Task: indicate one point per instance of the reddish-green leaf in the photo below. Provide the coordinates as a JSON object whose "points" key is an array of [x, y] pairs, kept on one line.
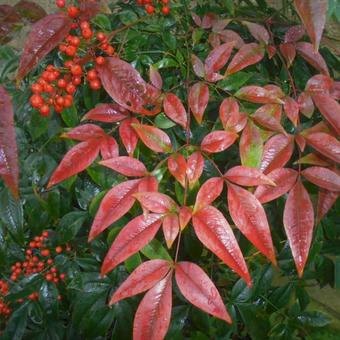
{"points": [[257, 31], [9, 169], [294, 34], [154, 138], [326, 200], [177, 167], [258, 94], [198, 100], [214, 231], [84, 132], [194, 168], [291, 108], [306, 105], [144, 277], [109, 147], [45, 35], [250, 217], [208, 192], [76, 160], [247, 55], [198, 289], [220, 24], [218, 57], [330, 109], [298, 221], [323, 177], [313, 159], [319, 84], [127, 166], [313, 16], [170, 229], [156, 202], [229, 35], [152, 318], [107, 113], [174, 109], [115, 204], [276, 153], [231, 117], [271, 50], [218, 141], [247, 176], [128, 135], [269, 116], [133, 237], [155, 78], [284, 180], [29, 10], [289, 52], [197, 66], [185, 214]]}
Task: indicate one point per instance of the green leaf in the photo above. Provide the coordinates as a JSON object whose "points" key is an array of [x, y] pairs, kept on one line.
{"points": [[70, 225], [70, 116], [170, 40], [48, 297], [132, 262], [16, 325], [103, 22], [155, 250], [127, 17], [235, 81], [163, 122], [314, 319]]}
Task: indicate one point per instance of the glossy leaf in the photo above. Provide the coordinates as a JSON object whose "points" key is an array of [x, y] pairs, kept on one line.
{"points": [[214, 231], [298, 221], [269, 116], [306, 105], [313, 159], [218, 57], [185, 214], [170, 229], [294, 33], [250, 217], [107, 113], [109, 147], [319, 84], [141, 279], [152, 318], [323, 177], [291, 108], [257, 31], [258, 95], [45, 35], [229, 35], [198, 100], [133, 237], [148, 184], [126, 166], [174, 109], [198, 289], [85, 132], [154, 138], [231, 117], [289, 52], [284, 180], [9, 168], [156, 202], [326, 200], [194, 168], [247, 176], [208, 192], [177, 167], [197, 66], [115, 204], [128, 135], [155, 78], [218, 141]]}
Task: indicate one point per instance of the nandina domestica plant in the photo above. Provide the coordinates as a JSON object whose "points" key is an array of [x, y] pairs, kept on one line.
{"points": [[198, 155]]}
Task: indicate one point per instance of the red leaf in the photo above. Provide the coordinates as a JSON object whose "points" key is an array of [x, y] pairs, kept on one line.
{"points": [[306, 105], [291, 108], [249, 54], [220, 24], [284, 180], [323, 177], [126, 166], [289, 52], [231, 117], [326, 200], [148, 184], [198, 100], [208, 192], [133, 237], [269, 116], [115, 204], [194, 168], [45, 35], [271, 50], [307, 52], [218, 141], [144, 277], [109, 147], [208, 20], [199, 290], [228, 35], [258, 94], [85, 132], [218, 57], [250, 217], [214, 231], [214, 39], [177, 167], [154, 138], [276, 153], [156, 202], [313, 16], [330, 109], [298, 221], [257, 31], [88, 9], [107, 113], [128, 135], [170, 229], [152, 318], [197, 66], [335, 90], [155, 78], [319, 84], [9, 169], [76, 160], [294, 34], [185, 214], [326, 144], [127, 88], [247, 176], [313, 159], [174, 109]]}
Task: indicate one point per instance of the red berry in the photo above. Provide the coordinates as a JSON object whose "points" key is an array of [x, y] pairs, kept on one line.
{"points": [[45, 252], [56, 280], [61, 83], [76, 70], [110, 50], [87, 33], [36, 88], [62, 276], [149, 9], [58, 250], [71, 51], [76, 81], [73, 11], [58, 108], [100, 60], [32, 244], [84, 25], [92, 75], [60, 3], [60, 101], [49, 261], [165, 10], [62, 48], [36, 101], [75, 41], [45, 233], [95, 84], [49, 277], [70, 89], [100, 36], [67, 102], [165, 2]]}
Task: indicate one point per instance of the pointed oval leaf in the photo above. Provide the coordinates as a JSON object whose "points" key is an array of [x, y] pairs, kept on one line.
{"points": [[128, 135], [115, 204], [84, 132], [109, 147], [198, 100], [127, 166], [257, 31], [271, 50], [174, 109], [218, 57], [170, 229], [76, 160], [231, 117], [185, 214], [144, 277], [298, 221], [250, 217], [198, 289], [306, 105], [107, 113], [323, 177], [208, 192], [152, 318], [284, 180], [229, 35], [214, 231], [218, 141], [326, 200], [313, 159], [9, 168], [291, 108], [155, 78], [319, 84], [156, 202], [133, 237], [269, 116], [289, 52], [294, 34], [148, 184], [258, 95], [195, 167], [197, 66], [177, 166], [45, 35]]}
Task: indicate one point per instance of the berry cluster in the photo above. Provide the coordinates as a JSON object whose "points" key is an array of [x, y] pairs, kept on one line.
{"points": [[5, 310], [150, 6]]}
